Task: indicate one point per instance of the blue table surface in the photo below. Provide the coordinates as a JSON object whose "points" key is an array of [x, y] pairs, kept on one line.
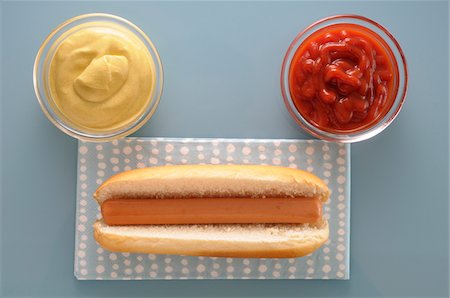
{"points": [[222, 63]]}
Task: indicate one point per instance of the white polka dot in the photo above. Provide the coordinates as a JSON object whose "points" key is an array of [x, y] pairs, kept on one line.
{"points": [[139, 156], [116, 151], [185, 270], [167, 260], [341, 223], [100, 156], [184, 160], [102, 165], [152, 274], [341, 215], [153, 160], [310, 150], [326, 268], [341, 169], [128, 271], [84, 271], [326, 249], [310, 169], [100, 269], [113, 274], [229, 260], [83, 202], [216, 152], [276, 161], [114, 160], [309, 262], [100, 250], [310, 270], [341, 197], [168, 158], [292, 148], [112, 256], [277, 266], [340, 160], [341, 247], [339, 257], [247, 270], [152, 257], [214, 273], [127, 262], [83, 177], [262, 268], [201, 268], [293, 166], [341, 232], [127, 150], [341, 266], [278, 152], [81, 253], [83, 186], [291, 261], [262, 156], [216, 265], [327, 173], [246, 262], [215, 142], [230, 148], [245, 160], [199, 148], [326, 156], [215, 161], [100, 173], [99, 181], [229, 158], [83, 150], [201, 156], [81, 228], [83, 262], [82, 245], [139, 268], [291, 158], [261, 148], [341, 179], [115, 168], [341, 239], [169, 148], [83, 237], [83, 218], [276, 274], [326, 258], [230, 269], [184, 262], [339, 274], [82, 160], [140, 165], [292, 269], [328, 166], [154, 266], [184, 150], [83, 169], [246, 150]]}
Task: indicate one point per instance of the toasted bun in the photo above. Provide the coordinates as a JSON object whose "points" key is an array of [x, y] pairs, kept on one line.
{"points": [[212, 181], [249, 241]]}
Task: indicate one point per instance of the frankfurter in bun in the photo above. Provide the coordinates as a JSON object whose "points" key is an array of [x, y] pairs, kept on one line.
{"points": [[213, 210]]}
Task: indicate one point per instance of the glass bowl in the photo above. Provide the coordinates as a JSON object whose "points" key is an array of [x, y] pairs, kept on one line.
{"points": [[400, 84], [42, 87]]}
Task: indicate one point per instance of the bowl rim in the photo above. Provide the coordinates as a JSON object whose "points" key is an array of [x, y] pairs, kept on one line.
{"points": [[134, 125], [356, 136]]}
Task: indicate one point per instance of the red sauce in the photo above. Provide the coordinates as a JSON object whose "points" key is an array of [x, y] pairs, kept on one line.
{"points": [[343, 78]]}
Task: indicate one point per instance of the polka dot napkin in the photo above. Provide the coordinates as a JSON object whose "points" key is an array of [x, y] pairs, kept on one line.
{"points": [[97, 162]]}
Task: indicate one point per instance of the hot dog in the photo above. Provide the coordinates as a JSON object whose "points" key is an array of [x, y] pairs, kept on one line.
{"points": [[213, 210]]}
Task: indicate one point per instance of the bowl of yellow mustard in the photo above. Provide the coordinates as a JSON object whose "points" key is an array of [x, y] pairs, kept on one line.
{"points": [[98, 77]]}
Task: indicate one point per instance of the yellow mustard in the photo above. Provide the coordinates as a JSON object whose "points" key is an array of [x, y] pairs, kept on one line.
{"points": [[101, 77]]}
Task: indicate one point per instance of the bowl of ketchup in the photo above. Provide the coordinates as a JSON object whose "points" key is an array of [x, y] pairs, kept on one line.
{"points": [[344, 78]]}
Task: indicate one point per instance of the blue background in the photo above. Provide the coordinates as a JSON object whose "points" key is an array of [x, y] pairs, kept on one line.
{"points": [[222, 64]]}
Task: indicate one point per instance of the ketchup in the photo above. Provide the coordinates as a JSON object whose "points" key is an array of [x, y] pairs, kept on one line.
{"points": [[343, 78]]}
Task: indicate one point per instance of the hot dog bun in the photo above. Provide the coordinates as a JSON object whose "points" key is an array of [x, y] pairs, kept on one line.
{"points": [[220, 240], [212, 181], [241, 241]]}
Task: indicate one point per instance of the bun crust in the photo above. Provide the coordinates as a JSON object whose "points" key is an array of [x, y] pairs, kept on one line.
{"points": [[212, 181], [249, 241]]}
